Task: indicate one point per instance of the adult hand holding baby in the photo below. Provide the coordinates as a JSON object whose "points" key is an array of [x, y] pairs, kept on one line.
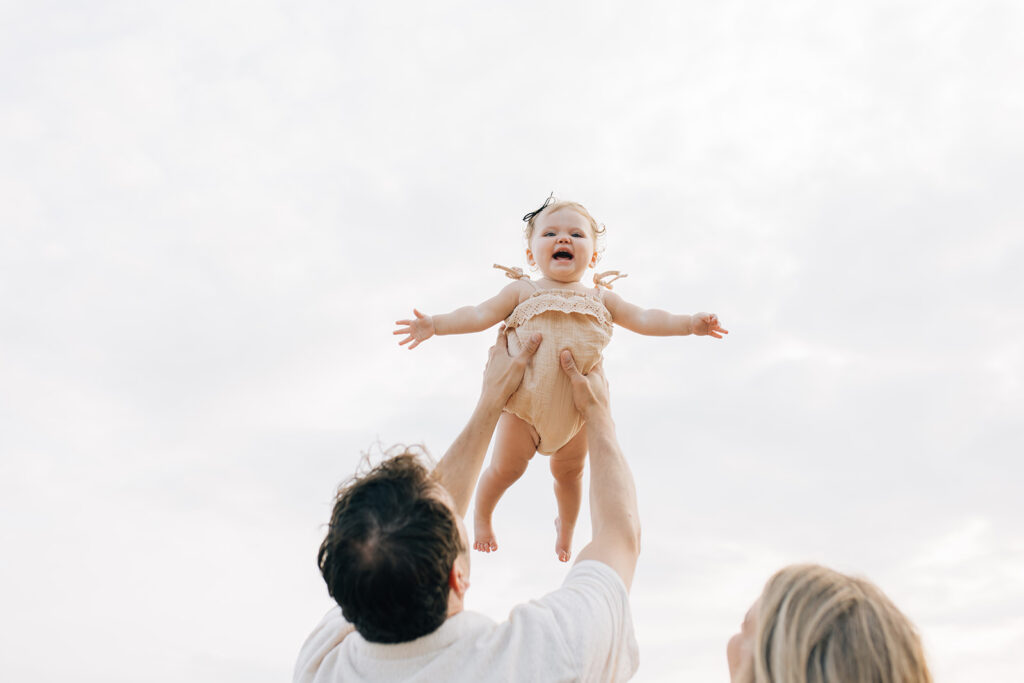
{"points": [[504, 372], [590, 391]]}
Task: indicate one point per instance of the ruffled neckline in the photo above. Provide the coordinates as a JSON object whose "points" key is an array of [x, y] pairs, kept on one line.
{"points": [[587, 302]]}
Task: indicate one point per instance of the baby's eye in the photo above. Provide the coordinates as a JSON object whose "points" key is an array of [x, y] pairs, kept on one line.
{"points": [[549, 233], [577, 234]]}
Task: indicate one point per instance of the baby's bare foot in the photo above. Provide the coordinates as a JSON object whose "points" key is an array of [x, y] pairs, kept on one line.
{"points": [[483, 534], [563, 540]]}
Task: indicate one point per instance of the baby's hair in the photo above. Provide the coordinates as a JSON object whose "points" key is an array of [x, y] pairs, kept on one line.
{"points": [[553, 204]]}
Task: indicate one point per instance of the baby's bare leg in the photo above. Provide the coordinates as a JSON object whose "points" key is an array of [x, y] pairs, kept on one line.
{"points": [[513, 448], [567, 468]]}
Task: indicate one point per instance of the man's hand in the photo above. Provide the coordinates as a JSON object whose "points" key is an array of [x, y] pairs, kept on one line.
{"points": [[504, 373], [419, 329], [707, 324], [590, 391]]}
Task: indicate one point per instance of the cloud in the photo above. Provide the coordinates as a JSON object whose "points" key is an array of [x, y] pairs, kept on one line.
{"points": [[214, 214]]}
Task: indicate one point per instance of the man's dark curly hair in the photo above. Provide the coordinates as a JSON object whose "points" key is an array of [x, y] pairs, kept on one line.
{"points": [[389, 551]]}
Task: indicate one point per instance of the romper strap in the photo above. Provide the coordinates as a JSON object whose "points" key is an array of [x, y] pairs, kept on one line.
{"points": [[513, 273], [605, 279]]}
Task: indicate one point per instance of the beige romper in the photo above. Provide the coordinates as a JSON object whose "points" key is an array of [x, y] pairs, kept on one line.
{"points": [[567, 319]]}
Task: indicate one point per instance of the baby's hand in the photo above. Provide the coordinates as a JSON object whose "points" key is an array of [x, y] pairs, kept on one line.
{"points": [[420, 328], [707, 323]]}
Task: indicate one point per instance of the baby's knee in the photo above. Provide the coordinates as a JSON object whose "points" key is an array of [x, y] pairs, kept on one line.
{"points": [[567, 471], [508, 466]]}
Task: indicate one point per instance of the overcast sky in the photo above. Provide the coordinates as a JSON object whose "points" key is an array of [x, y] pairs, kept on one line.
{"points": [[212, 213]]}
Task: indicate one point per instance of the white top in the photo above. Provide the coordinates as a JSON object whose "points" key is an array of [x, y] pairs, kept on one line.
{"points": [[581, 632]]}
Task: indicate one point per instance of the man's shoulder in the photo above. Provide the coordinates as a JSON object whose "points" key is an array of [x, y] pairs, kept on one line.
{"points": [[586, 624], [591, 597], [590, 589], [595, 580]]}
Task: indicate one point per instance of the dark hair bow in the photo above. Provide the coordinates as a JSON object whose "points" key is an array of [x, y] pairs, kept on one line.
{"points": [[547, 202]]}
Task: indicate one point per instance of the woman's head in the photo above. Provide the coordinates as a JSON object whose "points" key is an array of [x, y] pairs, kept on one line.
{"points": [[815, 625], [557, 224]]}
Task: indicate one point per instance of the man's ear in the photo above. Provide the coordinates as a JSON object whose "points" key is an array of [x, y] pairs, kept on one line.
{"points": [[457, 580]]}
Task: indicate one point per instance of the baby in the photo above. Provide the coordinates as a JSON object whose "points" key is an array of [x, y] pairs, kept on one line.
{"points": [[540, 417]]}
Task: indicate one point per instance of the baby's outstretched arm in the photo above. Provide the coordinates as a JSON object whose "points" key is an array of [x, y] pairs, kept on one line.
{"points": [[460, 321], [658, 323]]}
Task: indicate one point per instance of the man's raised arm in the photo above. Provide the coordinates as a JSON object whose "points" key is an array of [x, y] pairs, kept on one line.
{"points": [[460, 467], [613, 510]]}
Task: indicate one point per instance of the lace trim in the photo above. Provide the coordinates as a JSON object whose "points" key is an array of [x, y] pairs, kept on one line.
{"points": [[562, 300]]}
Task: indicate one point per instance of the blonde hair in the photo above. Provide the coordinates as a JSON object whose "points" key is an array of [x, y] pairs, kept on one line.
{"points": [[596, 228], [816, 625]]}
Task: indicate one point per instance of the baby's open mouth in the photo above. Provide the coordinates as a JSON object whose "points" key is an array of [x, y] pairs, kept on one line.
{"points": [[562, 255]]}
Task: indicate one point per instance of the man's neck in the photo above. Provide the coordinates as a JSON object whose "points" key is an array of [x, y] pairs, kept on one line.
{"points": [[455, 605]]}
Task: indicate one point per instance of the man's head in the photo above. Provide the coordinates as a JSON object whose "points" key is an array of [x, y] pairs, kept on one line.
{"points": [[390, 550]]}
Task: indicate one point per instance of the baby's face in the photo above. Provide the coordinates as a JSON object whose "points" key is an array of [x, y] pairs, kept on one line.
{"points": [[562, 245]]}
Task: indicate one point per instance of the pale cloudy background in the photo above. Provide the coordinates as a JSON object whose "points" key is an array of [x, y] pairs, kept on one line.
{"points": [[213, 212]]}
